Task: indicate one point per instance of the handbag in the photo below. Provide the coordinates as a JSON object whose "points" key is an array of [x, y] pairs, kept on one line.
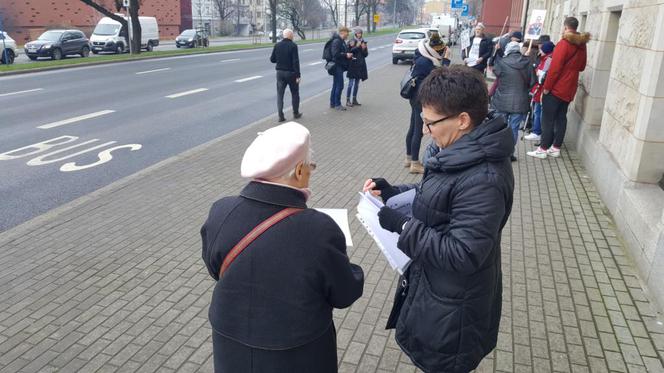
{"points": [[408, 85], [253, 235], [329, 66]]}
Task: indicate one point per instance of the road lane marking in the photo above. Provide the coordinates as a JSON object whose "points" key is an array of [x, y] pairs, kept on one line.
{"points": [[248, 79], [176, 95], [19, 92], [230, 60], [372, 49], [386, 45], [152, 71], [75, 119], [307, 50], [315, 63]]}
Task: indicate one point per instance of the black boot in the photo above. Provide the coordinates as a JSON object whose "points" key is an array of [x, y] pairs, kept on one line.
{"points": [[282, 118], [355, 103], [348, 102]]}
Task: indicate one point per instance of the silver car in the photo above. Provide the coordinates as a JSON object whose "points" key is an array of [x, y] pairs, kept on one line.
{"points": [[8, 49]]}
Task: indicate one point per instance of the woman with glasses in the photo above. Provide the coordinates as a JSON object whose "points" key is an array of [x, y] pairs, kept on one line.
{"points": [[280, 267], [448, 306]]}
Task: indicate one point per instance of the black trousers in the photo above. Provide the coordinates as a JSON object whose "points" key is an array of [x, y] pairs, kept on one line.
{"points": [[414, 136], [287, 78], [554, 121]]}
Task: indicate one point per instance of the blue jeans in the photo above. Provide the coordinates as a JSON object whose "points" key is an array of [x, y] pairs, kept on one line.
{"points": [[353, 85], [537, 118], [337, 86], [514, 121]]}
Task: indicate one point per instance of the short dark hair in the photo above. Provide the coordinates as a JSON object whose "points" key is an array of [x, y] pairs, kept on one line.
{"points": [[572, 23], [454, 90]]}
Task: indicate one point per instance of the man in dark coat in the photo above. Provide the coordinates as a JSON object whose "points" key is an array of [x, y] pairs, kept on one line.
{"points": [[450, 316], [271, 310], [516, 76], [285, 55], [341, 56], [480, 49], [357, 67]]}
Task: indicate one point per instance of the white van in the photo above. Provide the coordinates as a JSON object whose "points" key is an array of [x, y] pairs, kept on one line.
{"points": [[110, 36]]}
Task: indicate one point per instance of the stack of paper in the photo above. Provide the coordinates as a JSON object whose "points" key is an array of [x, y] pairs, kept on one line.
{"points": [[340, 216], [367, 213]]}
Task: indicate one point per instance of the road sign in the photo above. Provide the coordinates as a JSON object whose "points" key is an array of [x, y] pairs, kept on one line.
{"points": [[464, 10], [376, 18], [457, 4]]}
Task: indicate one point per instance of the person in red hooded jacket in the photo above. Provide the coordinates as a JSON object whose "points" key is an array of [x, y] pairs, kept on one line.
{"points": [[569, 59]]}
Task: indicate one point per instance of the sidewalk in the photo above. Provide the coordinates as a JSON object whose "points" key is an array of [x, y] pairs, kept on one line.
{"points": [[115, 282]]}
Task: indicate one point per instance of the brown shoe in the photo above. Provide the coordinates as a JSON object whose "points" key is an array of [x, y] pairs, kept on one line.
{"points": [[416, 167], [407, 162]]}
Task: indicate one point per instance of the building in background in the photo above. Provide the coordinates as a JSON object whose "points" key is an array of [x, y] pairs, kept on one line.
{"points": [[26, 19], [494, 13], [616, 126], [433, 8]]}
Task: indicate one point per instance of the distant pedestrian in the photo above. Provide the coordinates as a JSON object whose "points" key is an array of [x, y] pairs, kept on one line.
{"points": [[545, 51], [562, 80], [285, 55], [357, 67], [341, 57], [516, 77], [480, 49], [271, 308], [447, 307], [430, 54]]}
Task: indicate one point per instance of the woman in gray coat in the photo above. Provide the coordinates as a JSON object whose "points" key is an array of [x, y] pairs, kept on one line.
{"points": [[515, 75]]}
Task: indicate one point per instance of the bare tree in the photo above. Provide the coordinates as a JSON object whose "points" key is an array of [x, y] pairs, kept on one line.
{"points": [[333, 7], [371, 6], [360, 7], [224, 8], [134, 6], [301, 14], [273, 19]]}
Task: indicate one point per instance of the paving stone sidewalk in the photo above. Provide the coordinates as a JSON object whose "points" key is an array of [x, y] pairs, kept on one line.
{"points": [[114, 281]]}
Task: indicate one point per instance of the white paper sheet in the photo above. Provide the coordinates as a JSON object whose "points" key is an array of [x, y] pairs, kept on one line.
{"points": [[340, 216], [367, 213]]}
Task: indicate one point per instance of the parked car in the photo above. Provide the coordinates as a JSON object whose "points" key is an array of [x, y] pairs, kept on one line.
{"points": [[58, 44], [110, 36], [406, 43], [7, 49], [280, 35], [192, 38]]}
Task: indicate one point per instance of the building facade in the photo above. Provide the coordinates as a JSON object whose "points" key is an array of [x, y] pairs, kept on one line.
{"points": [[615, 121], [26, 19]]}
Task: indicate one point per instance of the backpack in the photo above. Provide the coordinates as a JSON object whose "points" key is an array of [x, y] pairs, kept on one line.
{"points": [[327, 50]]}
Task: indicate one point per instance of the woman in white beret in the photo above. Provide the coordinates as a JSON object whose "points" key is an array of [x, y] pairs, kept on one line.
{"points": [[280, 267]]}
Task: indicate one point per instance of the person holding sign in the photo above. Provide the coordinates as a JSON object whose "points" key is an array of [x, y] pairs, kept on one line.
{"points": [[448, 305], [280, 267], [480, 49]]}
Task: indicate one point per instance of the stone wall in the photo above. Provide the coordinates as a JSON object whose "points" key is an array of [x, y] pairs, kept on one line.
{"points": [[617, 119]]}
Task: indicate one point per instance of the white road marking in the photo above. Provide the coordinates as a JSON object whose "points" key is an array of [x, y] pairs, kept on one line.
{"points": [[75, 119], [230, 60], [315, 63], [19, 92], [307, 50], [372, 49], [176, 95], [248, 79], [152, 71], [387, 45]]}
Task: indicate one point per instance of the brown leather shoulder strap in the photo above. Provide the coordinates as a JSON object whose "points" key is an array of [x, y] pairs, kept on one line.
{"points": [[253, 235]]}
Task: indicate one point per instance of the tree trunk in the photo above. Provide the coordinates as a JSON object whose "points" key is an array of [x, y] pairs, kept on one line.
{"points": [[105, 12], [136, 30], [369, 19], [273, 11], [373, 24]]}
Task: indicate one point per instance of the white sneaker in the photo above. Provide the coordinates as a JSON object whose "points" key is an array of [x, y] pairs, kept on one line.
{"points": [[532, 137], [553, 152], [538, 153]]}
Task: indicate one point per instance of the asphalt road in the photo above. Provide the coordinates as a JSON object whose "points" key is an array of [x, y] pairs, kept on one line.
{"points": [[94, 125]]}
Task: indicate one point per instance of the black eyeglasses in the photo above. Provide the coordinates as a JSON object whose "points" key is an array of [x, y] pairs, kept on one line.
{"points": [[436, 121]]}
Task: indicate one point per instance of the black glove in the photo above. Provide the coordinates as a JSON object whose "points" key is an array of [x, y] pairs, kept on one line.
{"points": [[387, 191], [392, 220]]}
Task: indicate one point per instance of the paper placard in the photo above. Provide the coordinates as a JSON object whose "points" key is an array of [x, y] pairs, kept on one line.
{"points": [[535, 24], [340, 216]]}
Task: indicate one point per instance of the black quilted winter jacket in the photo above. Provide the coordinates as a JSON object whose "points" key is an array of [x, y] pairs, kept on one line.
{"points": [[449, 320]]}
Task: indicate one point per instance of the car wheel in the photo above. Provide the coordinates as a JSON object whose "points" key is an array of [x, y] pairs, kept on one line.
{"points": [[177, 45], [56, 54], [32, 58], [95, 52], [395, 61], [85, 52], [7, 57], [149, 48], [119, 49], [206, 43]]}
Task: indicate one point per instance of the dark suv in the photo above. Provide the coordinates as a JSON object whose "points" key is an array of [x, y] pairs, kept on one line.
{"points": [[57, 44]]}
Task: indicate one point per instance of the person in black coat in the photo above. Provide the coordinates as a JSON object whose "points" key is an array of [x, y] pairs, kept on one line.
{"points": [[449, 317], [357, 67], [287, 60], [480, 51], [341, 57], [271, 309]]}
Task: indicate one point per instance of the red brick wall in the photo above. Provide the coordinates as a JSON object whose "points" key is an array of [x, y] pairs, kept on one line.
{"points": [[26, 19]]}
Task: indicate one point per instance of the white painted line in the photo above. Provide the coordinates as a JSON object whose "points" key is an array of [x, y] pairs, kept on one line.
{"points": [[248, 79], [386, 45], [230, 60], [315, 63], [152, 71], [75, 119], [372, 49], [176, 95], [19, 92], [307, 50]]}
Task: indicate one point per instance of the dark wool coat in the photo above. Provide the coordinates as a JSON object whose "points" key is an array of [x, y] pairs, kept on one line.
{"points": [[339, 50], [357, 68], [279, 293], [450, 317], [516, 76]]}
